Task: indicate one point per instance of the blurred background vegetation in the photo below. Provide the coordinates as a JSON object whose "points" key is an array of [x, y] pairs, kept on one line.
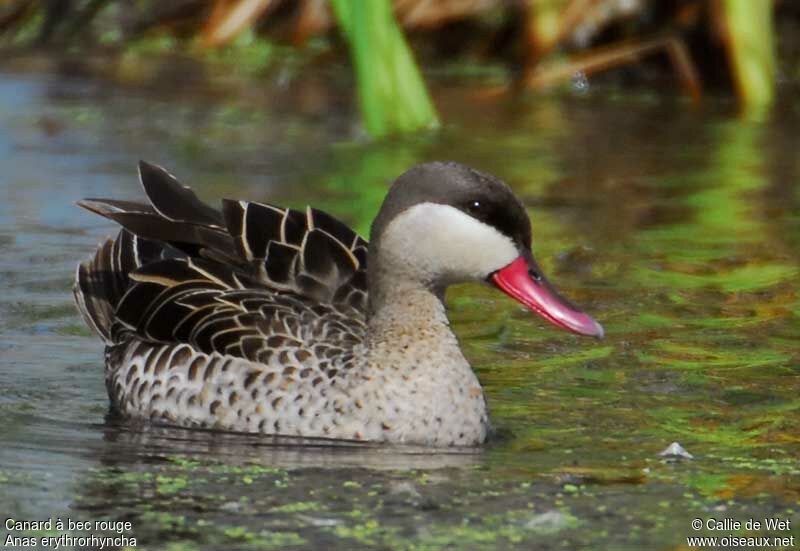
{"points": [[737, 47]]}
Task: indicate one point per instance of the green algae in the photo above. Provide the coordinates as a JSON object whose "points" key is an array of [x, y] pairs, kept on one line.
{"points": [[577, 359], [262, 539], [366, 533], [170, 484], [74, 330], [180, 546], [491, 510], [298, 507]]}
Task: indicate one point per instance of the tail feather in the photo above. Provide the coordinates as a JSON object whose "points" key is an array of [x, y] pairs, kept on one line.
{"points": [[102, 281], [174, 201], [93, 289]]}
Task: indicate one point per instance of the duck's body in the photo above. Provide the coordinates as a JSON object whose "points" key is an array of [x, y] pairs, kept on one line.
{"points": [[262, 319]]}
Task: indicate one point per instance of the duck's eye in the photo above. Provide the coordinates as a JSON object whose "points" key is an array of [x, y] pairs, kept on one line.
{"points": [[474, 206]]}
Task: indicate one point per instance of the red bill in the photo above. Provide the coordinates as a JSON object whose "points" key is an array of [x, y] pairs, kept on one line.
{"points": [[523, 281]]}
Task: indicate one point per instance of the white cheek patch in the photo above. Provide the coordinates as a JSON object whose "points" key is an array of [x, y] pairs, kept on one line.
{"points": [[439, 242]]}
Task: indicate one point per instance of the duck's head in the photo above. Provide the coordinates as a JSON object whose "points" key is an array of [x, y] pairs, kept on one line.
{"points": [[443, 223]]}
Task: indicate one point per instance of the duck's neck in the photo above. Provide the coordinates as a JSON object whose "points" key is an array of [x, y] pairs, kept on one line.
{"points": [[414, 363], [406, 308], [406, 305]]}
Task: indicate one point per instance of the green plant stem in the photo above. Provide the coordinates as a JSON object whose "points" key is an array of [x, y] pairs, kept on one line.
{"points": [[751, 49], [391, 91]]}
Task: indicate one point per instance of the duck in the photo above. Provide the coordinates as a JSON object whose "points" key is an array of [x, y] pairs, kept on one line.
{"points": [[262, 319]]}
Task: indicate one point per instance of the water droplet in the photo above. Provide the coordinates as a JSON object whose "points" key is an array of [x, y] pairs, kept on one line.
{"points": [[580, 83]]}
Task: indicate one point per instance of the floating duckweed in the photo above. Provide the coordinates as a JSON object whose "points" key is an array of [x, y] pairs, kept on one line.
{"points": [[170, 484], [298, 507]]}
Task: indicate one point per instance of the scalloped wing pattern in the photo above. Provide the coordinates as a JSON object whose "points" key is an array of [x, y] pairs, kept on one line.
{"points": [[102, 281], [195, 301], [233, 282], [311, 254]]}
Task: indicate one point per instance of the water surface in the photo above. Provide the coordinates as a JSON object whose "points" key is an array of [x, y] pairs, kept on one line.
{"points": [[677, 227]]}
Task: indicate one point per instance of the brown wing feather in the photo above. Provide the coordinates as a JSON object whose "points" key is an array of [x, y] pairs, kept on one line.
{"points": [[103, 280], [311, 254], [234, 282], [177, 300]]}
